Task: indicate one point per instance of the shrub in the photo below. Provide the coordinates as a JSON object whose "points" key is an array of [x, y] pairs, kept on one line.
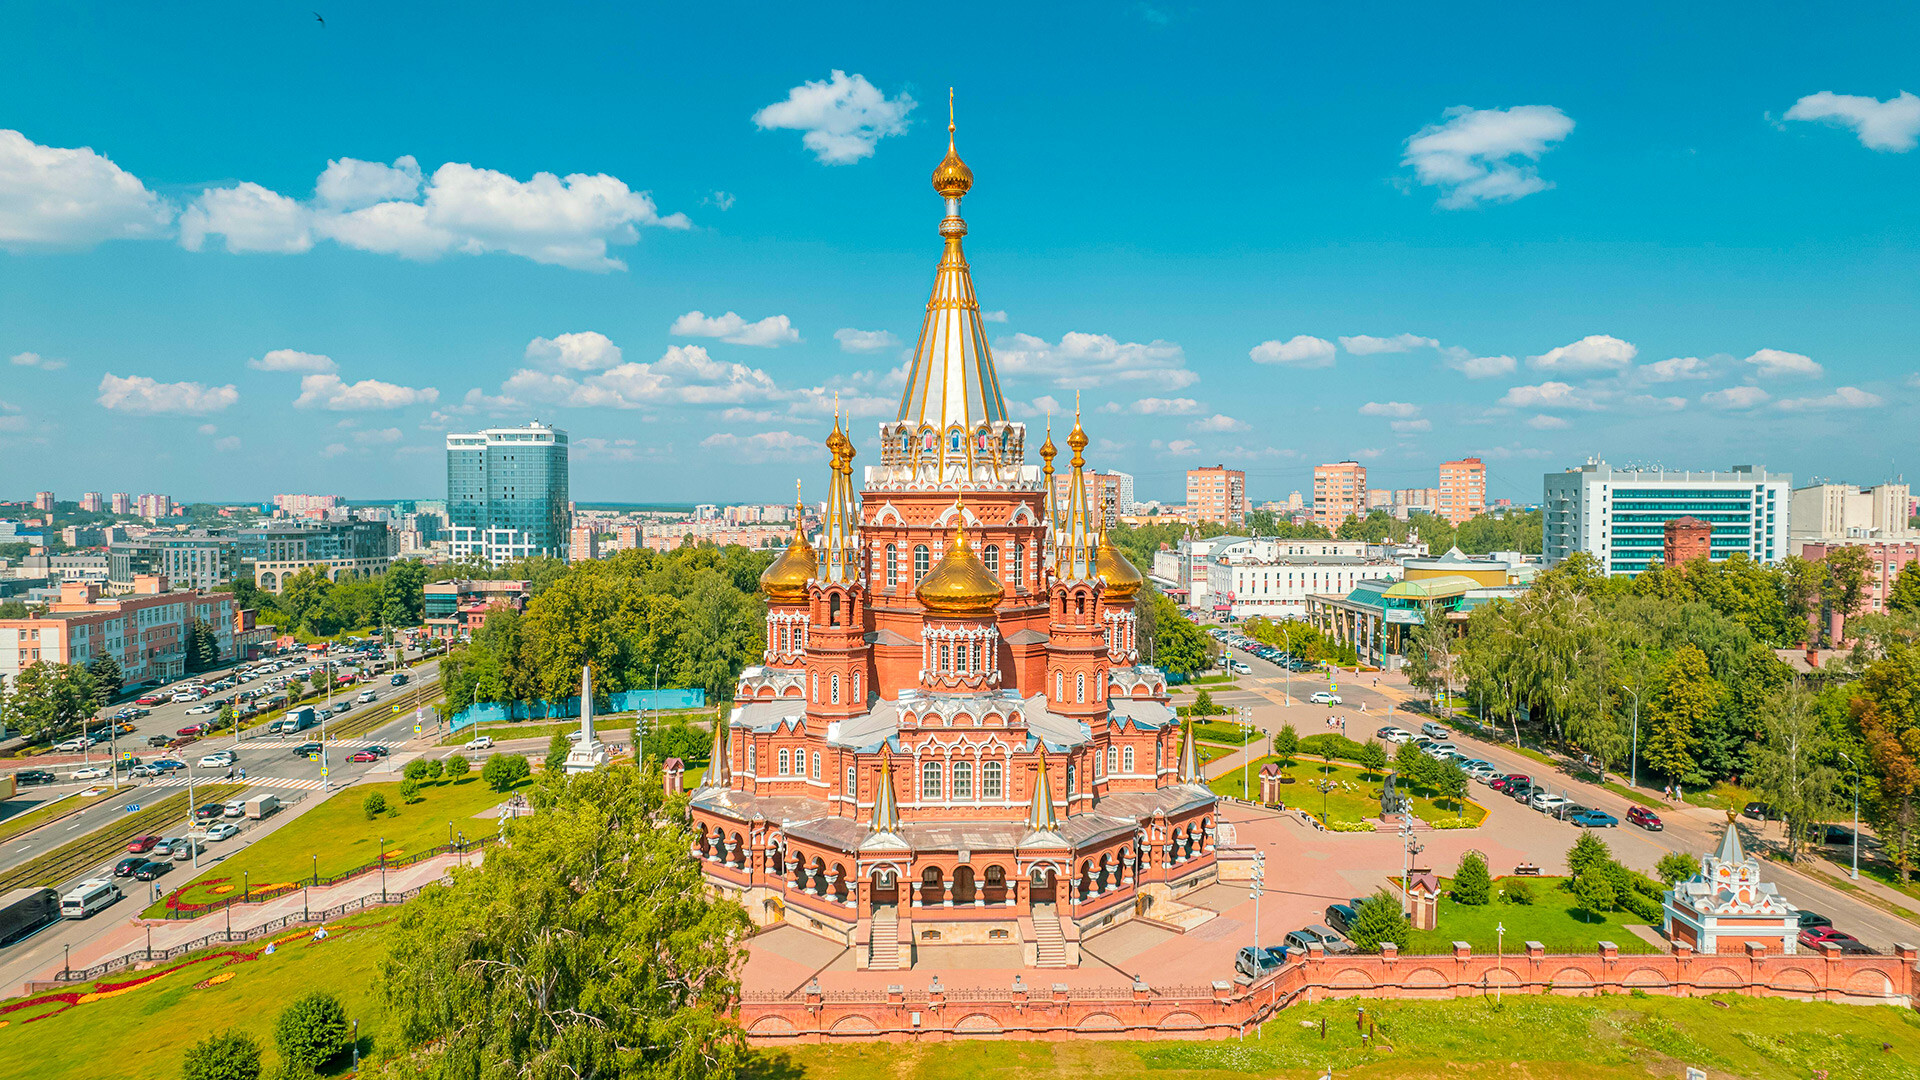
{"points": [[677, 739], [1373, 757], [1595, 891], [416, 770], [373, 805], [1586, 853], [312, 1031], [458, 766], [1286, 743], [503, 771], [1203, 706], [1517, 891], [1472, 885], [435, 770], [1675, 867], [557, 749], [1644, 908], [409, 790], [229, 1055], [1331, 744], [1378, 919]]}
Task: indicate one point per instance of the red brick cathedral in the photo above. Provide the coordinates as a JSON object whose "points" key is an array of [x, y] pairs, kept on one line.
{"points": [[952, 738]]}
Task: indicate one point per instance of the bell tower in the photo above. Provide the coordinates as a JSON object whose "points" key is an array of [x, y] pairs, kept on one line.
{"points": [[838, 668], [1076, 680]]}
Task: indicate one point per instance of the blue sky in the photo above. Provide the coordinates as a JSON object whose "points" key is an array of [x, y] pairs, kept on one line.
{"points": [[243, 253]]}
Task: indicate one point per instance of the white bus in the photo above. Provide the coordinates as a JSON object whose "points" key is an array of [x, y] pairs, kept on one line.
{"points": [[87, 898]]}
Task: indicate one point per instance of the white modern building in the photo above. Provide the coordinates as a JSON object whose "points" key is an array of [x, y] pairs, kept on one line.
{"points": [[1845, 514], [1245, 585], [1619, 516], [507, 494]]}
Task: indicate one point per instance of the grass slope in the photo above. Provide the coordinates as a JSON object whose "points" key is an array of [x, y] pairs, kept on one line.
{"points": [[1554, 919]]}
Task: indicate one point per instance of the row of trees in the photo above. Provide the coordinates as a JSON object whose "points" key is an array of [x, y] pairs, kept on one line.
{"points": [[50, 701], [317, 604], [1483, 534]]}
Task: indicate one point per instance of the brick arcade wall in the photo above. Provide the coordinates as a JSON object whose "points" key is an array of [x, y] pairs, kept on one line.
{"points": [[1052, 1012]]}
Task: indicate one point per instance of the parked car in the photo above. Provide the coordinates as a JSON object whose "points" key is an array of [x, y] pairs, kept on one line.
{"points": [[71, 746], [1545, 801], [209, 812], [150, 870], [1434, 731], [1813, 920], [1325, 936], [204, 708], [125, 867], [1759, 811], [159, 740], [1393, 734], [93, 772], [1442, 750], [1645, 818], [1324, 697], [194, 729], [1340, 916], [1594, 819], [219, 759], [1815, 937], [482, 742], [1521, 793], [1253, 964], [33, 776], [222, 831], [1837, 834], [150, 699], [142, 844]]}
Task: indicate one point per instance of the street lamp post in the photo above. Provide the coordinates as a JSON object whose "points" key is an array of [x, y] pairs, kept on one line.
{"points": [[1634, 780], [1855, 874], [1500, 957], [1259, 886], [383, 869], [1246, 739]]}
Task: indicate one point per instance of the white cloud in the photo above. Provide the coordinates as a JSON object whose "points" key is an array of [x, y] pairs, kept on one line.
{"points": [[1365, 345], [377, 437], [1648, 402], [1675, 369], [1845, 397], [1301, 351], [1469, 156], [1220, 422], [1892, 125], [333, 450], [208, 429], [1047, 405], [770, 332], [143, 396], [763, 447], [351, 184], [293, 360], [1548, 395], [840, 118], [227, 443], [1544, 422], [865, 341], [53, 198], [331, 392], [1774, 364], [1082, 360], [586, 350], [463, 210], [722, 200], [1408, 427], [1389, 408], [1734, 397], [1158, 406], [1595, 352], [993, 316], [821, 400], [739, 415], [592, 448], [1478, 367], [1176, 447], [35, 360], [684, 375]]}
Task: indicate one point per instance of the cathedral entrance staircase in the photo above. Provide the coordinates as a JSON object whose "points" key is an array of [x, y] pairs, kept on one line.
{"points": [[1050, 947], [884, 949]]}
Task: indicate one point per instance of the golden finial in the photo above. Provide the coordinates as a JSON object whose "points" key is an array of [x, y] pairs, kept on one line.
{"points": [[1047, 449], [1077, 438], [952, 178]]}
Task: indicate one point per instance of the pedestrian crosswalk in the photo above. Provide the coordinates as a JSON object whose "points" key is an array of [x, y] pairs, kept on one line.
{"points": [[307, 784]]}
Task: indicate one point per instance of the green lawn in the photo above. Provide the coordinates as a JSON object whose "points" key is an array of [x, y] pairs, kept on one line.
{"points": [[147, 1028], [1554, 919], [1229, 734], [1632, 795], [1721, 796], [1522, 1038], [1354, 798], [338, 833], [1212, 751]]}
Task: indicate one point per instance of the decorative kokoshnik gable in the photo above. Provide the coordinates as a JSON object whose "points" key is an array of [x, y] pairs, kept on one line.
{"points": [[951, 730]]}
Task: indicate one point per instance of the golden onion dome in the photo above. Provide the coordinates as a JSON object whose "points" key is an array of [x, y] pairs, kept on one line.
{"points": [[1122, 579], [952, 178], [960, 585], [785, 582]]}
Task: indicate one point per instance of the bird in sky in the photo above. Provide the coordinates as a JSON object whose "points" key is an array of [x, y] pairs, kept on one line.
{"points": [[321, 21]]}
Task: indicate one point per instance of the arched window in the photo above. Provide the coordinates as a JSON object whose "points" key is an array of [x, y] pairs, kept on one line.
{"points": [[930, 778], [946, 656], [1080, 686], [784, 761], [991, 556], [1096, 765], [989, 779], [816, 686], [1126, 759], [962, 780], [919, 562], [856, 699], [1113, 758], [833, 687], [893, 566], [750, 767], [1018, 569], [1059, 691], [1070, 777], [833, 610], [849, 779], [975, 666], [953, 440], [816, 764]]}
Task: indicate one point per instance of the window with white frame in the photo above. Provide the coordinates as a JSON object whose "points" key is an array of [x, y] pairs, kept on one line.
{"points": [[962, 780], [930, 782], [784, 763], [990, 780]]}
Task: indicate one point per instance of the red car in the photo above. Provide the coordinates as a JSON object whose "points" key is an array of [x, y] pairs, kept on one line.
{"points": [[1645, 818], [195, 729], [142, 845], [1507, 782], [1815, 936], [364, 755], [150, 699]]}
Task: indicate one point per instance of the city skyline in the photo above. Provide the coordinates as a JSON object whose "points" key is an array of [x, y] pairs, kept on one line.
{"points": [[1576, 266]]}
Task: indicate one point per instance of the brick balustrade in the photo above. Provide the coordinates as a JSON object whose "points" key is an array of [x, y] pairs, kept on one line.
{"points": [[1055, 1011]]}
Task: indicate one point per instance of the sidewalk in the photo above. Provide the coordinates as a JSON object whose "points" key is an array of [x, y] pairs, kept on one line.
{"points": [[137, 934]]}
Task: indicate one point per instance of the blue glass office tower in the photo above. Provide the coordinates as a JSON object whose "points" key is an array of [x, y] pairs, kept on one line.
{"points": [[507, 493]]}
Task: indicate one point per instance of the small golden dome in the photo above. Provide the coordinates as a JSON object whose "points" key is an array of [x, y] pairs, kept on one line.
{"points": [[959, 585], [785, 582], [1122, 579], [952, 178], [1047, 449]]}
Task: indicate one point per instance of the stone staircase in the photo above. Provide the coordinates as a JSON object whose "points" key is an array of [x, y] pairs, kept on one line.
{"points": [[884, 951], [1050, 948]]}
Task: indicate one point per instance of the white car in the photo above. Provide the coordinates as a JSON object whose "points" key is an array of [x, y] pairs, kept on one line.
{"points": [[92, 772], [202, 710], [187, 695], [484, 742], [1442, 750], [1546, 803], [218, 760], [1395, 735], [1324, 697], [72, 746], [222, 831]]}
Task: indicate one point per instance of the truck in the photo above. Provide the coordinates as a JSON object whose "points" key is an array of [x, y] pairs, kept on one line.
{"points": [[261, 805], [25, 911], [296, 720]]}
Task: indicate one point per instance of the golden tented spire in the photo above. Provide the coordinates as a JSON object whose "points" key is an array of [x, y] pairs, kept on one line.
{"points": [[1040, 815], [839, 539], [719, 772], [1076, 546], [886, 811], [1047, 452], [951, 388]]}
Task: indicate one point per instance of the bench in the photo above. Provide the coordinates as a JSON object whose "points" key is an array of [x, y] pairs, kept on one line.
{"points": [[1527, 870]]}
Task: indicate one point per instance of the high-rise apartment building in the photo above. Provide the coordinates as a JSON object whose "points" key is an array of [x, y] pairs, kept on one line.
{"points": [[1217, 494], [507, 493], [154, 507], [198, 562], [1620, 516], [92, 502], [122, 503], [584, 544], [43, 501], [1339, 492], [1112, 492], [304, 505], [1410, 501], [1463, 489]]}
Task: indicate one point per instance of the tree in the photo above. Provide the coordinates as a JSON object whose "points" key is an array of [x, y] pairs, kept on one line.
{"points": [[1450, 780], [1286, 743], [1171, 640], [504, 771], [1885, 708], [229, 1055], [1430, 660], [1846, 584], [403, 593], [373, 805], [557, 749], [1675, 867], [313, 1030], [409, 790], [1595, 891], [1373, 757], [1905, 594], [1686, 702], [588, 946], [1589, 852], [1793, 766], [1410, 764], [458, 766], [434, 770], [203, 646], [1203, 704], [107, 678], [48, 699], [1800, 592], [226, 715], [416, 769], [1472, 885], [1378, 918]]}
